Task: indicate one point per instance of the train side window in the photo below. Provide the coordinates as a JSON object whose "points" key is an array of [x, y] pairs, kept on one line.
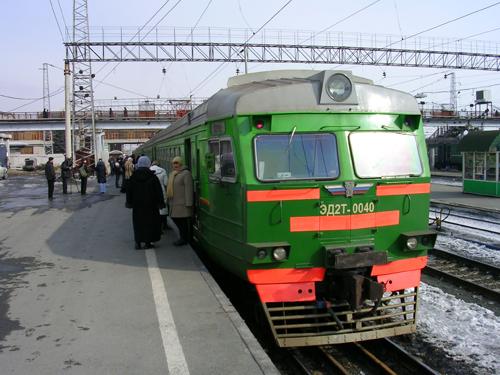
{"points": [[228, 169], [224, 165], [214, 149]]}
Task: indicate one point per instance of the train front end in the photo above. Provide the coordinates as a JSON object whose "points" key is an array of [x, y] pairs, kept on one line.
{"points": [[337, 214]]}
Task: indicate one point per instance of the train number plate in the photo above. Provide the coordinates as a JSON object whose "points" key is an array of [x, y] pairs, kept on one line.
{"points": [[333, 209]]}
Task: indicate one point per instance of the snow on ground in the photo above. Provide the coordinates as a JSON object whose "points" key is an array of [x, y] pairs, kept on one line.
{"points": [[464, 330], [445, 181], [469, 249], [455, 225]]}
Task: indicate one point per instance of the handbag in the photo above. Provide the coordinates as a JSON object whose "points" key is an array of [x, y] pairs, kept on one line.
{"points": [[83, 172]]}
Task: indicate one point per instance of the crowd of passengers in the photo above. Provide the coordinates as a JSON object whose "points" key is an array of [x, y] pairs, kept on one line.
{"points": [[151, 192]]}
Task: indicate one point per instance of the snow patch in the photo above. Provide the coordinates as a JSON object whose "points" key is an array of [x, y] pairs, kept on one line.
{"points": [[469, 249], [464, 330]]}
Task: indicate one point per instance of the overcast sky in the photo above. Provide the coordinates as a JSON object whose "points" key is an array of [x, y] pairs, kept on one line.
{"points": [[30, 37]]}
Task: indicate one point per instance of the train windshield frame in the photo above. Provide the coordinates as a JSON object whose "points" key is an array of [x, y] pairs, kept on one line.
{"points": [[382, 154], [296, 156]]}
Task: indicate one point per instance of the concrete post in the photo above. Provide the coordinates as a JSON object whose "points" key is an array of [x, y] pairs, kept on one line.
{"points": [[67, 109]]}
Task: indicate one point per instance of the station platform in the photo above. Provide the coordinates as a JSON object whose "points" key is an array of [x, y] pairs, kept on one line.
{"points": [[453, 196], [76, 298], [448, 174]]}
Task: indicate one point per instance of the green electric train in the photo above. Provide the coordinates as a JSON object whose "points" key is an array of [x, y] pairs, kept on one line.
{"points": [[313, 186]]}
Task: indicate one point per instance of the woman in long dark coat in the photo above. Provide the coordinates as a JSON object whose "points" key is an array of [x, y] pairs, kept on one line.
{"points": [[100, 171], [145, 197]]}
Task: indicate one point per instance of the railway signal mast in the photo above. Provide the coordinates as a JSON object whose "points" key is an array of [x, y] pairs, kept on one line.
{"points": [[84, 134], [453, 91]]}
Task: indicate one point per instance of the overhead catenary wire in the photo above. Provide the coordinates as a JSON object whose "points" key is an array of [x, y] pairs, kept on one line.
{"points": [[443, 24], [217, 70], [463, 89], [60, 90], [190, 35], [341, 20], [144, 36], [62, 15], [57, 21], [335, 24], [466, 37]]}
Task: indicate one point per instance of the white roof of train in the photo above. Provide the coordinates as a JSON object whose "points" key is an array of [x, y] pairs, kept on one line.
{"points": [[292, 91]]}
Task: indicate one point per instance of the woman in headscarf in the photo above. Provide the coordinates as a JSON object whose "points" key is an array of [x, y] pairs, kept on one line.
{"points": [[145, 197], [129, 169], [180, 198]]}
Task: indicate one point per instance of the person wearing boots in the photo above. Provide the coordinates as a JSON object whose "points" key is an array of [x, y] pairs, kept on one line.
{"points": [[128, 169], [84, 174], [145, 197], [66, 173], [180, 199], [50, 174], [100, 171]]}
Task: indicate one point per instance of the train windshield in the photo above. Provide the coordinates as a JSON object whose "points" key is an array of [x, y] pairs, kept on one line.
{"points": [[295, 156], [385, 154]]}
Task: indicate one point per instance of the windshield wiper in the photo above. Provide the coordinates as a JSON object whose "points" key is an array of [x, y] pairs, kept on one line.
{"points": [[291, 136]]}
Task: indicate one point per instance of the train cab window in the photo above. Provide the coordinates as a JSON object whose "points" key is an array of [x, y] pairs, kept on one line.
{"points": [[295, 156], [385, 154], [225, 168]]}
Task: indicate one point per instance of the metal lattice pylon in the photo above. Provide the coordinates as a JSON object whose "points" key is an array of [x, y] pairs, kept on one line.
{"points": [[83, 119]]}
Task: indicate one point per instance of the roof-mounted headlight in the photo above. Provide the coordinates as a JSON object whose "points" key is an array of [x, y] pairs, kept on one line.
{"points": [[338, 87]]}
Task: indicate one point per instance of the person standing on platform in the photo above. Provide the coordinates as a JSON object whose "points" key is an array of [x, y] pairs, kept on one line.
{"points": [[162, 176], [118, 171], [180, 199], [84, 174], [50, 174], [145, 197], [66, 173], [111, 163], [100, 170], [128, 169]]}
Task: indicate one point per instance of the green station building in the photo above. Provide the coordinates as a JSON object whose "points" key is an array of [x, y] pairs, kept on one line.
{"points": [[481, 162]]}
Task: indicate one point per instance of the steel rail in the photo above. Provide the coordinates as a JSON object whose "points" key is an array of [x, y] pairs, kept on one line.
{"points": [[375, 359], [469, 218], [485, 267], [334, 362], [471, 227], [421, 367], [460, 279]]}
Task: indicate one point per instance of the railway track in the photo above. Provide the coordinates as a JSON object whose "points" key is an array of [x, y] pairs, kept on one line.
{"points": [[476, 276], [439, 215], [381, 356]]}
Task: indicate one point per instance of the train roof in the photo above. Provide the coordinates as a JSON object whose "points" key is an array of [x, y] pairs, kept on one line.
{"points": [[292, 91]]}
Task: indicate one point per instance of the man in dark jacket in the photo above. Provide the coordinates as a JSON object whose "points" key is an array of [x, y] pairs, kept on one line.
{"points": [[100, 171], [145, 197], [66, 173], [50, 174]]}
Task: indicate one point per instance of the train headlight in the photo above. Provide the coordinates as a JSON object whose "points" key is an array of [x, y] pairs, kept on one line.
{"points": [[261, 254], [339, 87], [279, 253], [412, 243]]}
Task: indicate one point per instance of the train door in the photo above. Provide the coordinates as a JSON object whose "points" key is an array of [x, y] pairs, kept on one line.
{"points": [[196, 184], [187, 153], [225, 189]]}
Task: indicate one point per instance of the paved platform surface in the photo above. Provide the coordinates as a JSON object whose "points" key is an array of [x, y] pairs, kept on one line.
{"points": [[453, 195], [454, 174], [75, 298]]}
